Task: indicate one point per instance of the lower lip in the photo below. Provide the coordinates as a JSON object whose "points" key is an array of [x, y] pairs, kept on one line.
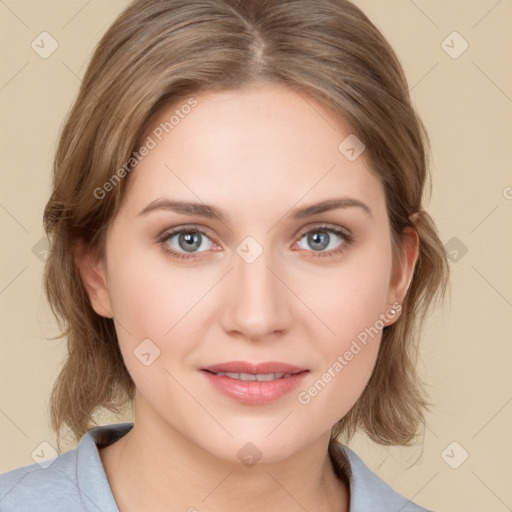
{"points": [[255, 392]]}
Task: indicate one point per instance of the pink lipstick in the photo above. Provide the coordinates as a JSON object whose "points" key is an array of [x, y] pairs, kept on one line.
{"points": [[254, 384]]}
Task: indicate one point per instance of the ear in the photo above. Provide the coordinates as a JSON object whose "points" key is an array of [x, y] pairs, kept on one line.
{"points": [[403, 270], [93, 274]]}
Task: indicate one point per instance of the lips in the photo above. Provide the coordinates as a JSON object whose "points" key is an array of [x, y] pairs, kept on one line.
{"points": [[254, 384], [254, 368]]}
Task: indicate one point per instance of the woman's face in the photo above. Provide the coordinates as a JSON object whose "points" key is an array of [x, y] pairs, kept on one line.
{"points": [[253, 273]]}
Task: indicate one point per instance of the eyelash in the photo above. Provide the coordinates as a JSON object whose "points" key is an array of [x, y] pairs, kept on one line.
{"points": [[345, 236]]}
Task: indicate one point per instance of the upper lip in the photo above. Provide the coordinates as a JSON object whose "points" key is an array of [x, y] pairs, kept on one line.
{"points": [[254, 368]]}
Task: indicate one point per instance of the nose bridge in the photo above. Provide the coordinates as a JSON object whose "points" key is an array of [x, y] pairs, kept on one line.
{"points": [[257, 304]]}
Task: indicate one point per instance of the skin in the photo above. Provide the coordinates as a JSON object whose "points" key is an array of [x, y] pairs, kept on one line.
{"points": [[257, 154]]}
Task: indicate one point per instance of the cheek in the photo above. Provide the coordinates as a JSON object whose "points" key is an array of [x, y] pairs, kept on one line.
{"points": [[346, 365], [334, 391], [149, 294], [156, 301], [349, 304], [149, 307], [350, 297]]}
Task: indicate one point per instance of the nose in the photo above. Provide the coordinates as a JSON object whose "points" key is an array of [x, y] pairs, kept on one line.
{"points": [[258, 304]]}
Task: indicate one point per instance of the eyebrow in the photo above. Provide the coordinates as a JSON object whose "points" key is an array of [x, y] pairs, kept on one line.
{"points": [[211, 212]]}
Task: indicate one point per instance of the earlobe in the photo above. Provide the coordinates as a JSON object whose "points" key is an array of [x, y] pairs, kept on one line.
{"points": [[392, 313], [93, 275]]}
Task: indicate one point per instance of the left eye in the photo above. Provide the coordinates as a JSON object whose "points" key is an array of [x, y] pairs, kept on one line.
{"points": [[322, 239]]}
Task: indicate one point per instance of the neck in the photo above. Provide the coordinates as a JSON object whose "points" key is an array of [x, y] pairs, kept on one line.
{"points": [[154, 468]]}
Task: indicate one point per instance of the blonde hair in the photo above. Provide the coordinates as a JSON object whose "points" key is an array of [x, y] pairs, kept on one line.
{"points": [[157, 52]]}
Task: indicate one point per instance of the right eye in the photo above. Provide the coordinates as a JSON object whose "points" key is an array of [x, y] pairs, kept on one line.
{"points": [[185, 242]]}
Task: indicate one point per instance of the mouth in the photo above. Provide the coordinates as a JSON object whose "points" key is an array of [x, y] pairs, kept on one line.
{"points": [[254, 384], [260, 377]]}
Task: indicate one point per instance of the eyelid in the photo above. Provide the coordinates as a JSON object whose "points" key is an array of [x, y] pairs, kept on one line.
{"points": [[166, 233], [325, 225]]}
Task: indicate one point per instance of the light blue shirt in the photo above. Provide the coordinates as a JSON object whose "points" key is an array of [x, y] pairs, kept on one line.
{"points": [[76, 481]]}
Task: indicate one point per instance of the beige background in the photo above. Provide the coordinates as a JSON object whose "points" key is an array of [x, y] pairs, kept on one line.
{"points": [[466, 103]]}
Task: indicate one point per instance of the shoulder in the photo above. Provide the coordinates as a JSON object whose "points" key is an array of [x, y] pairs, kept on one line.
{"points": [[74, 480], [46, 485], [367, 490]]}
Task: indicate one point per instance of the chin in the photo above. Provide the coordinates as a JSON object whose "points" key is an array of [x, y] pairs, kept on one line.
{"points": [[255, 445]]}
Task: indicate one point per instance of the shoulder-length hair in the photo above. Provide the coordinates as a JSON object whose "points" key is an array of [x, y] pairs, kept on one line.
{"points": [[161, 51]]}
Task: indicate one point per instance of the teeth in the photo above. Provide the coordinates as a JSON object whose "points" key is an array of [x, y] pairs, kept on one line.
{"points": [[268, 376], [250, 376]]}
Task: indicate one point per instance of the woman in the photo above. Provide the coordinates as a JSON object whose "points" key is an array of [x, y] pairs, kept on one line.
{"points": [[239, 246]]}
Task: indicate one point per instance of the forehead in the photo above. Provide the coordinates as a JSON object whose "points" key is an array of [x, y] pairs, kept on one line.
{"points": [[254, 149]]}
